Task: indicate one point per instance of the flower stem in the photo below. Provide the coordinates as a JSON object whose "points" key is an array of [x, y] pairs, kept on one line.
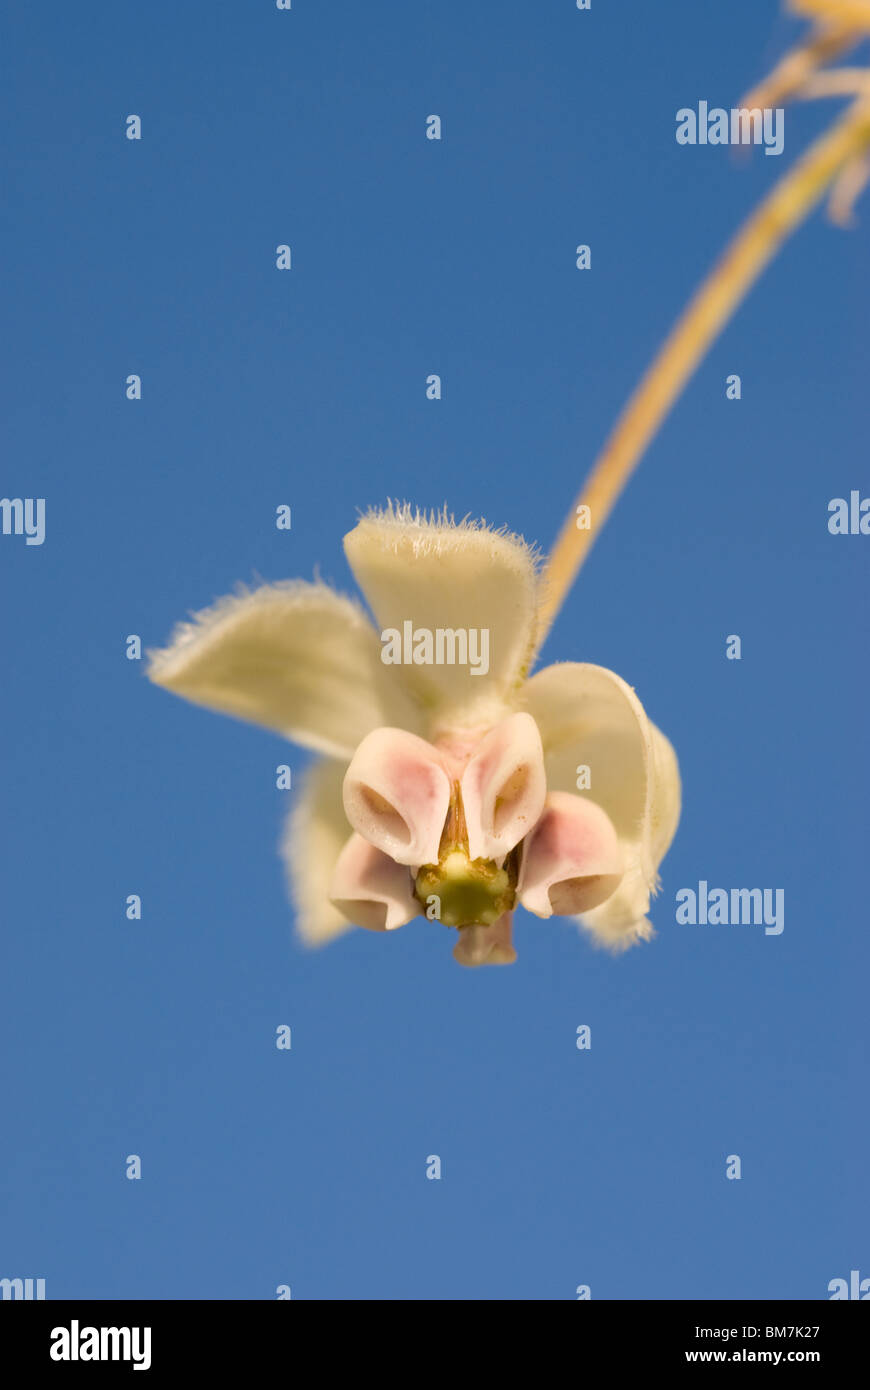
{"points": [[760, 237], [847, 11]]}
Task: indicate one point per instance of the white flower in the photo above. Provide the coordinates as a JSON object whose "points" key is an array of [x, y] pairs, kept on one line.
{"points": [[444, 791]]}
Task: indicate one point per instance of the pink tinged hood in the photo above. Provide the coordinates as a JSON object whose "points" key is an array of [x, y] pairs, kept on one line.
{"points": [[397, 795], [504, 787], [571, 862], [371, 889]]}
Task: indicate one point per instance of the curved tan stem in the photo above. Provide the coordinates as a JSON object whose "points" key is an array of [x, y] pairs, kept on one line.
{"points": [[792, 71], [846, 11], [752, 248], [842, 82]]}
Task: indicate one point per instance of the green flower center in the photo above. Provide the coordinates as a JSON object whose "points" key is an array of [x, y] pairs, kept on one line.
{"points": [[466, 891], [463, 892]]}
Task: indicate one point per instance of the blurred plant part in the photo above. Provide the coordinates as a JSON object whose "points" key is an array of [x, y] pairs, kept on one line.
{"points": [[837, 162]]}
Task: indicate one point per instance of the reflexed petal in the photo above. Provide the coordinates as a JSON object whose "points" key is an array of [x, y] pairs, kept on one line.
{"points": [[486, 945], [589, 717], [504, 788], [371, 889], [460, 578], [315, 832], [397, 795], [621, 921], [571, 861], [296, 657]]}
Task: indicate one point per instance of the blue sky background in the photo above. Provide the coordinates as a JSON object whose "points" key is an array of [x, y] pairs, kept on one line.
{"points": [[307, 1168]]}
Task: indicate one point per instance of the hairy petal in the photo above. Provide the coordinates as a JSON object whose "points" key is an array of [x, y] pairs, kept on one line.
{"points": [[315, 832], [465, 580], [621, 921], [590, 718], [297, 658]]}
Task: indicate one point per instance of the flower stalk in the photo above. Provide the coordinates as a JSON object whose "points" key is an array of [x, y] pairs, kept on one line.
{"points": [[787, 205]]}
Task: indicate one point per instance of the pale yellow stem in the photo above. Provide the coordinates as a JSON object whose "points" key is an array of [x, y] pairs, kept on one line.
{"points": [[840, 82], [850, 183], [792, 71], [780, 213], [849, 11]]}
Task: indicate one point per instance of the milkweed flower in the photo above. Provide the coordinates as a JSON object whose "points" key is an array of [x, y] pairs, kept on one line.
{"points": [[445, 790], [452, 791]]}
